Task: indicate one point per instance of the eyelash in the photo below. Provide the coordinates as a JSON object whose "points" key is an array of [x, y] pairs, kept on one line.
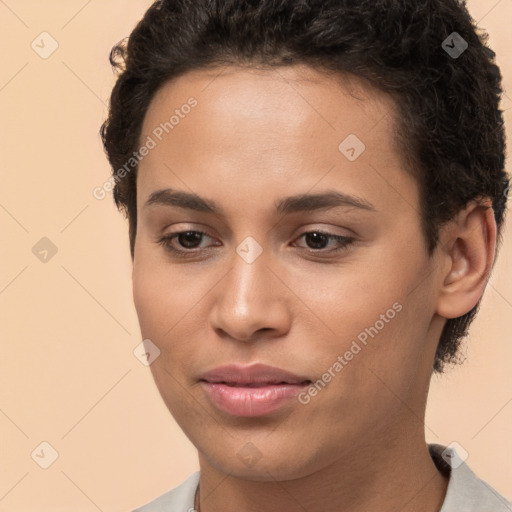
{"points": [[166, 242]]}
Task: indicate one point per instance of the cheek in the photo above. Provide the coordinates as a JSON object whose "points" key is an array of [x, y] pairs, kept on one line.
{"points": [[375, 314], [148, 295], [348, 299], [163, 307], [161, 293], [169, 304]]}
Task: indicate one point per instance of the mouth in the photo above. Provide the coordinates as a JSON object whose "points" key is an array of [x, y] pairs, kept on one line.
{"points": [[239, 384], [251, 391], [256, 375]]}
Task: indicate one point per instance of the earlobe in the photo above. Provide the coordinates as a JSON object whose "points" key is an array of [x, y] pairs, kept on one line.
{"points": [[468, 246]]}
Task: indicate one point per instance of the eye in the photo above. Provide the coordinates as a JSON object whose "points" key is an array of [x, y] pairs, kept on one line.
{"points": [[187, 239], [189, 242], [319, 238]]}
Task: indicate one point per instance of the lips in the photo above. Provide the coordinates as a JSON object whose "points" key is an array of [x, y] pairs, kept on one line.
{"points": [[257, 375], [251, 391], [239, 384]]}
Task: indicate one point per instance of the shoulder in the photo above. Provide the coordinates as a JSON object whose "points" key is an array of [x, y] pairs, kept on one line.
{"points": [[178, 499], [466, 492]]}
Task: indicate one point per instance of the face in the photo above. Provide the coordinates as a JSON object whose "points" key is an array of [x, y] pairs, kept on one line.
{"points": [[338, 290]]}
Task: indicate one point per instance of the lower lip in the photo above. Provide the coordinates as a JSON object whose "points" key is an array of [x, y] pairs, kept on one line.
{"points": [[249, 402]]}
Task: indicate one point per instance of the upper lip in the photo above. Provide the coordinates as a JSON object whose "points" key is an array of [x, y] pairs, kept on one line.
{"points": [[254, 374]]}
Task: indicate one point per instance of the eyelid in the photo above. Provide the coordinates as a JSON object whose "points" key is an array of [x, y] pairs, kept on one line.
{"points": [[345, 241]]}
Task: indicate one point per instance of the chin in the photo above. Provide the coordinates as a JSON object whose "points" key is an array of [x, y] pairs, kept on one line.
{"points": [[260, 468]]}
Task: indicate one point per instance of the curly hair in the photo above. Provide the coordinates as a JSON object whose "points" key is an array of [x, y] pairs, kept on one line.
{"points": [[449, 126]]}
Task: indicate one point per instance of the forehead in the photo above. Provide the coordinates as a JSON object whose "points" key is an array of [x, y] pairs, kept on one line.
{"points": [[295, 96], [264, 129]]}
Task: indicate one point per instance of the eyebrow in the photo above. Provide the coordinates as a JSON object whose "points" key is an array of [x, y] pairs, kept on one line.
{"points": [[283, 206]]}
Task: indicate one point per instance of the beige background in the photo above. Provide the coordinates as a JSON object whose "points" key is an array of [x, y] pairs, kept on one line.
{"points": [[68, 375]]}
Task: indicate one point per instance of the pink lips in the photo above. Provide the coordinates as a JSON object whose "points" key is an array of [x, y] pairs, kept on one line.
{"points": [[251, 390]]}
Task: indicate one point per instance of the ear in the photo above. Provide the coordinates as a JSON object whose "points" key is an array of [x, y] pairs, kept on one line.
{"points": [[468, 247]]}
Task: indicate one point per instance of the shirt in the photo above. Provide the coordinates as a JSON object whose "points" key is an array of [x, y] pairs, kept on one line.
{"points": [[465, 492]]}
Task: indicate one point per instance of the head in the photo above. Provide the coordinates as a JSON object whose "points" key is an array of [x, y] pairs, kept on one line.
{"points": [[246, 104]]}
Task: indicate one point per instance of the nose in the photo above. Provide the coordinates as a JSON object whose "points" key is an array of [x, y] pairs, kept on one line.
{"points": [[251, 300]]}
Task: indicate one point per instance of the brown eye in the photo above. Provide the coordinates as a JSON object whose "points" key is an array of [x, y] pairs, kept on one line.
{"points": [[187, 241], [317, 240]]}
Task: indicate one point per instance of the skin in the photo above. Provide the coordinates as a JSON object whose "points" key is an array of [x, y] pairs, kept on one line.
{"points": [[254, 137]]}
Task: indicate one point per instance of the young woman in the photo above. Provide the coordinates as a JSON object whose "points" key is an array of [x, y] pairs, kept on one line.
{"points": [[315, 191]]}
